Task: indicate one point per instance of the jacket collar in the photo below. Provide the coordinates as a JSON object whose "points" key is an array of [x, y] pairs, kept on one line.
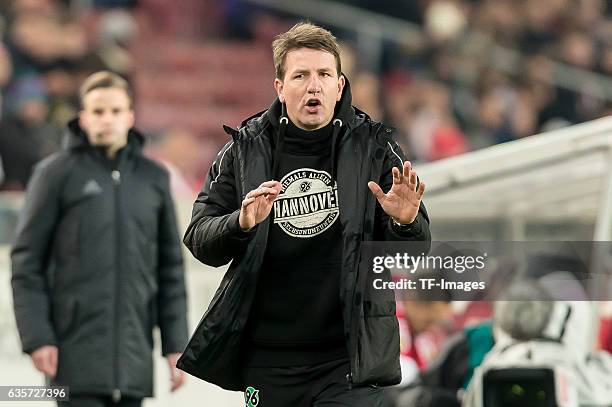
{"points": [[75, 138], [351, 116]]}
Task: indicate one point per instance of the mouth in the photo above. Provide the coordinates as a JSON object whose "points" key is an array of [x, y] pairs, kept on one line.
{"points": [[313, 105], [103, 134]]}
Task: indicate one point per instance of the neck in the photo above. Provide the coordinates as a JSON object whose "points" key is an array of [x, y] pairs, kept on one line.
{"points": [[111, 151], [299, 125]]}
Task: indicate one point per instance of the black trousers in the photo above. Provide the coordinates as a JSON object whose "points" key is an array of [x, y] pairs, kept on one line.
{"points": [[321, 385], [78, 400]]}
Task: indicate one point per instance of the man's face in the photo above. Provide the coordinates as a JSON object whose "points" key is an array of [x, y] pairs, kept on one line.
{"points": [[311, 87], [107, 117]]}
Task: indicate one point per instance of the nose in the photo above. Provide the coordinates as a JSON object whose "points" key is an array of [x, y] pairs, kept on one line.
{"points": [[314, 85], [106, 118], [108, 115]]}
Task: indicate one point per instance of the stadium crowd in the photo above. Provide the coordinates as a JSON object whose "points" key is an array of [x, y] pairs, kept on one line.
{"points": [[444, 91]]}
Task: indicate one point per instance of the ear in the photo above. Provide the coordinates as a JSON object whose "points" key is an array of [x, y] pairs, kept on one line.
{"points": [[278, 85], [341, 83], [82, 119], [132, 118]]}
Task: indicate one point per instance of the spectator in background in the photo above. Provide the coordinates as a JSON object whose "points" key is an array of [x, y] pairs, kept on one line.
{"points": [[415, 318], [38, 42], [62, 89], [6, 66], [25, 136], [181, 153], [32, 6], [432, 131], [97, 261], [366, 94]]}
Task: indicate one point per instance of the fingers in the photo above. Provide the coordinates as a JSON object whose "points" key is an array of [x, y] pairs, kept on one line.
{"points": [[421, 189], [271, 184], [274, 185], [177, 376], [45, 360], [376, 190], [412, 183], [177, 380], [52, 362], [269, 193], [262, 191], [406, 169], [397, 176], [247, 201], [40, 363], [269, 190], [407, 176], [262, 198]]}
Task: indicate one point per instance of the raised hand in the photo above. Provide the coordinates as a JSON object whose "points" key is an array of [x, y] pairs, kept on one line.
{"points": [[403, 199], [257, 204]]}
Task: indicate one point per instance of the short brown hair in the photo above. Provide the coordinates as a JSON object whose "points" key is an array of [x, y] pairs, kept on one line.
{"points": [[104, 79], [303, 35]]}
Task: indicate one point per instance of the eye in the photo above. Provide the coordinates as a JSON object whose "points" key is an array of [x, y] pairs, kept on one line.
{"points": [[298, 76]]}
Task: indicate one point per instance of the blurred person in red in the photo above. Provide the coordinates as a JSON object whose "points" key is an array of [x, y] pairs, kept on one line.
{"points": [[289, 201], [605, 329], [419, 319], [182, 154], [433, 133], [97, 261]]}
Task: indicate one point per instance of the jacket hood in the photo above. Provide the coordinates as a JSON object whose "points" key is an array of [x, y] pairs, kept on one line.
{"points": [[75, 137]]}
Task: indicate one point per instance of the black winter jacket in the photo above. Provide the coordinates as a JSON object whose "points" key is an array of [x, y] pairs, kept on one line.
{"points": [[97, 264], [363, 151]]}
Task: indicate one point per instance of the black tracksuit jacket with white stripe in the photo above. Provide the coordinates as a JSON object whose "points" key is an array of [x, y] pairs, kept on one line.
{"points": [[363, 150]]}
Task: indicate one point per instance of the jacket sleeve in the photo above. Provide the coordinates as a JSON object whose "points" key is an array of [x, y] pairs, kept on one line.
{"points": [[386, 229], [172, 295], [29, 258], [214, 235]]}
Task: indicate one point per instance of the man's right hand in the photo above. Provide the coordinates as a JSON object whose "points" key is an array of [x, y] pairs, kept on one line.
{"points": [[45, 360], [257, 204]]}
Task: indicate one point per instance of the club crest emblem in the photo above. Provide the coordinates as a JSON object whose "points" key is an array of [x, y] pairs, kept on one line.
{"points": [[307, 204]]}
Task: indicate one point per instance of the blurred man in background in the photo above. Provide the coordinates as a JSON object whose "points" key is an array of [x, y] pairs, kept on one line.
{"points": [[97, 261], [291, 324], [25, 135]]}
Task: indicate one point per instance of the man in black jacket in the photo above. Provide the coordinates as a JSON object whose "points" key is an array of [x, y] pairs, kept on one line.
{"points": [[287, 201], [97, 261]]}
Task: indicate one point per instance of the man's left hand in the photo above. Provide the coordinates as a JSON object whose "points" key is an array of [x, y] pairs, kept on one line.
{"points": [[404, 198], [177, 376]]}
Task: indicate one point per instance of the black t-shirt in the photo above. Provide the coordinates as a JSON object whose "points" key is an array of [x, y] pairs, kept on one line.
{"points": [[296, 317]]}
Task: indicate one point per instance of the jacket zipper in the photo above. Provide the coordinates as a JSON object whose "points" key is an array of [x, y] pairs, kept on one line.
{"points": [[116, 177], [353, 323], [349, 376]]}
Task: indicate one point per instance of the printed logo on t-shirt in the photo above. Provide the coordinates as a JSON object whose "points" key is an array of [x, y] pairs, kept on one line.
{"points": [[307, 204]]}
